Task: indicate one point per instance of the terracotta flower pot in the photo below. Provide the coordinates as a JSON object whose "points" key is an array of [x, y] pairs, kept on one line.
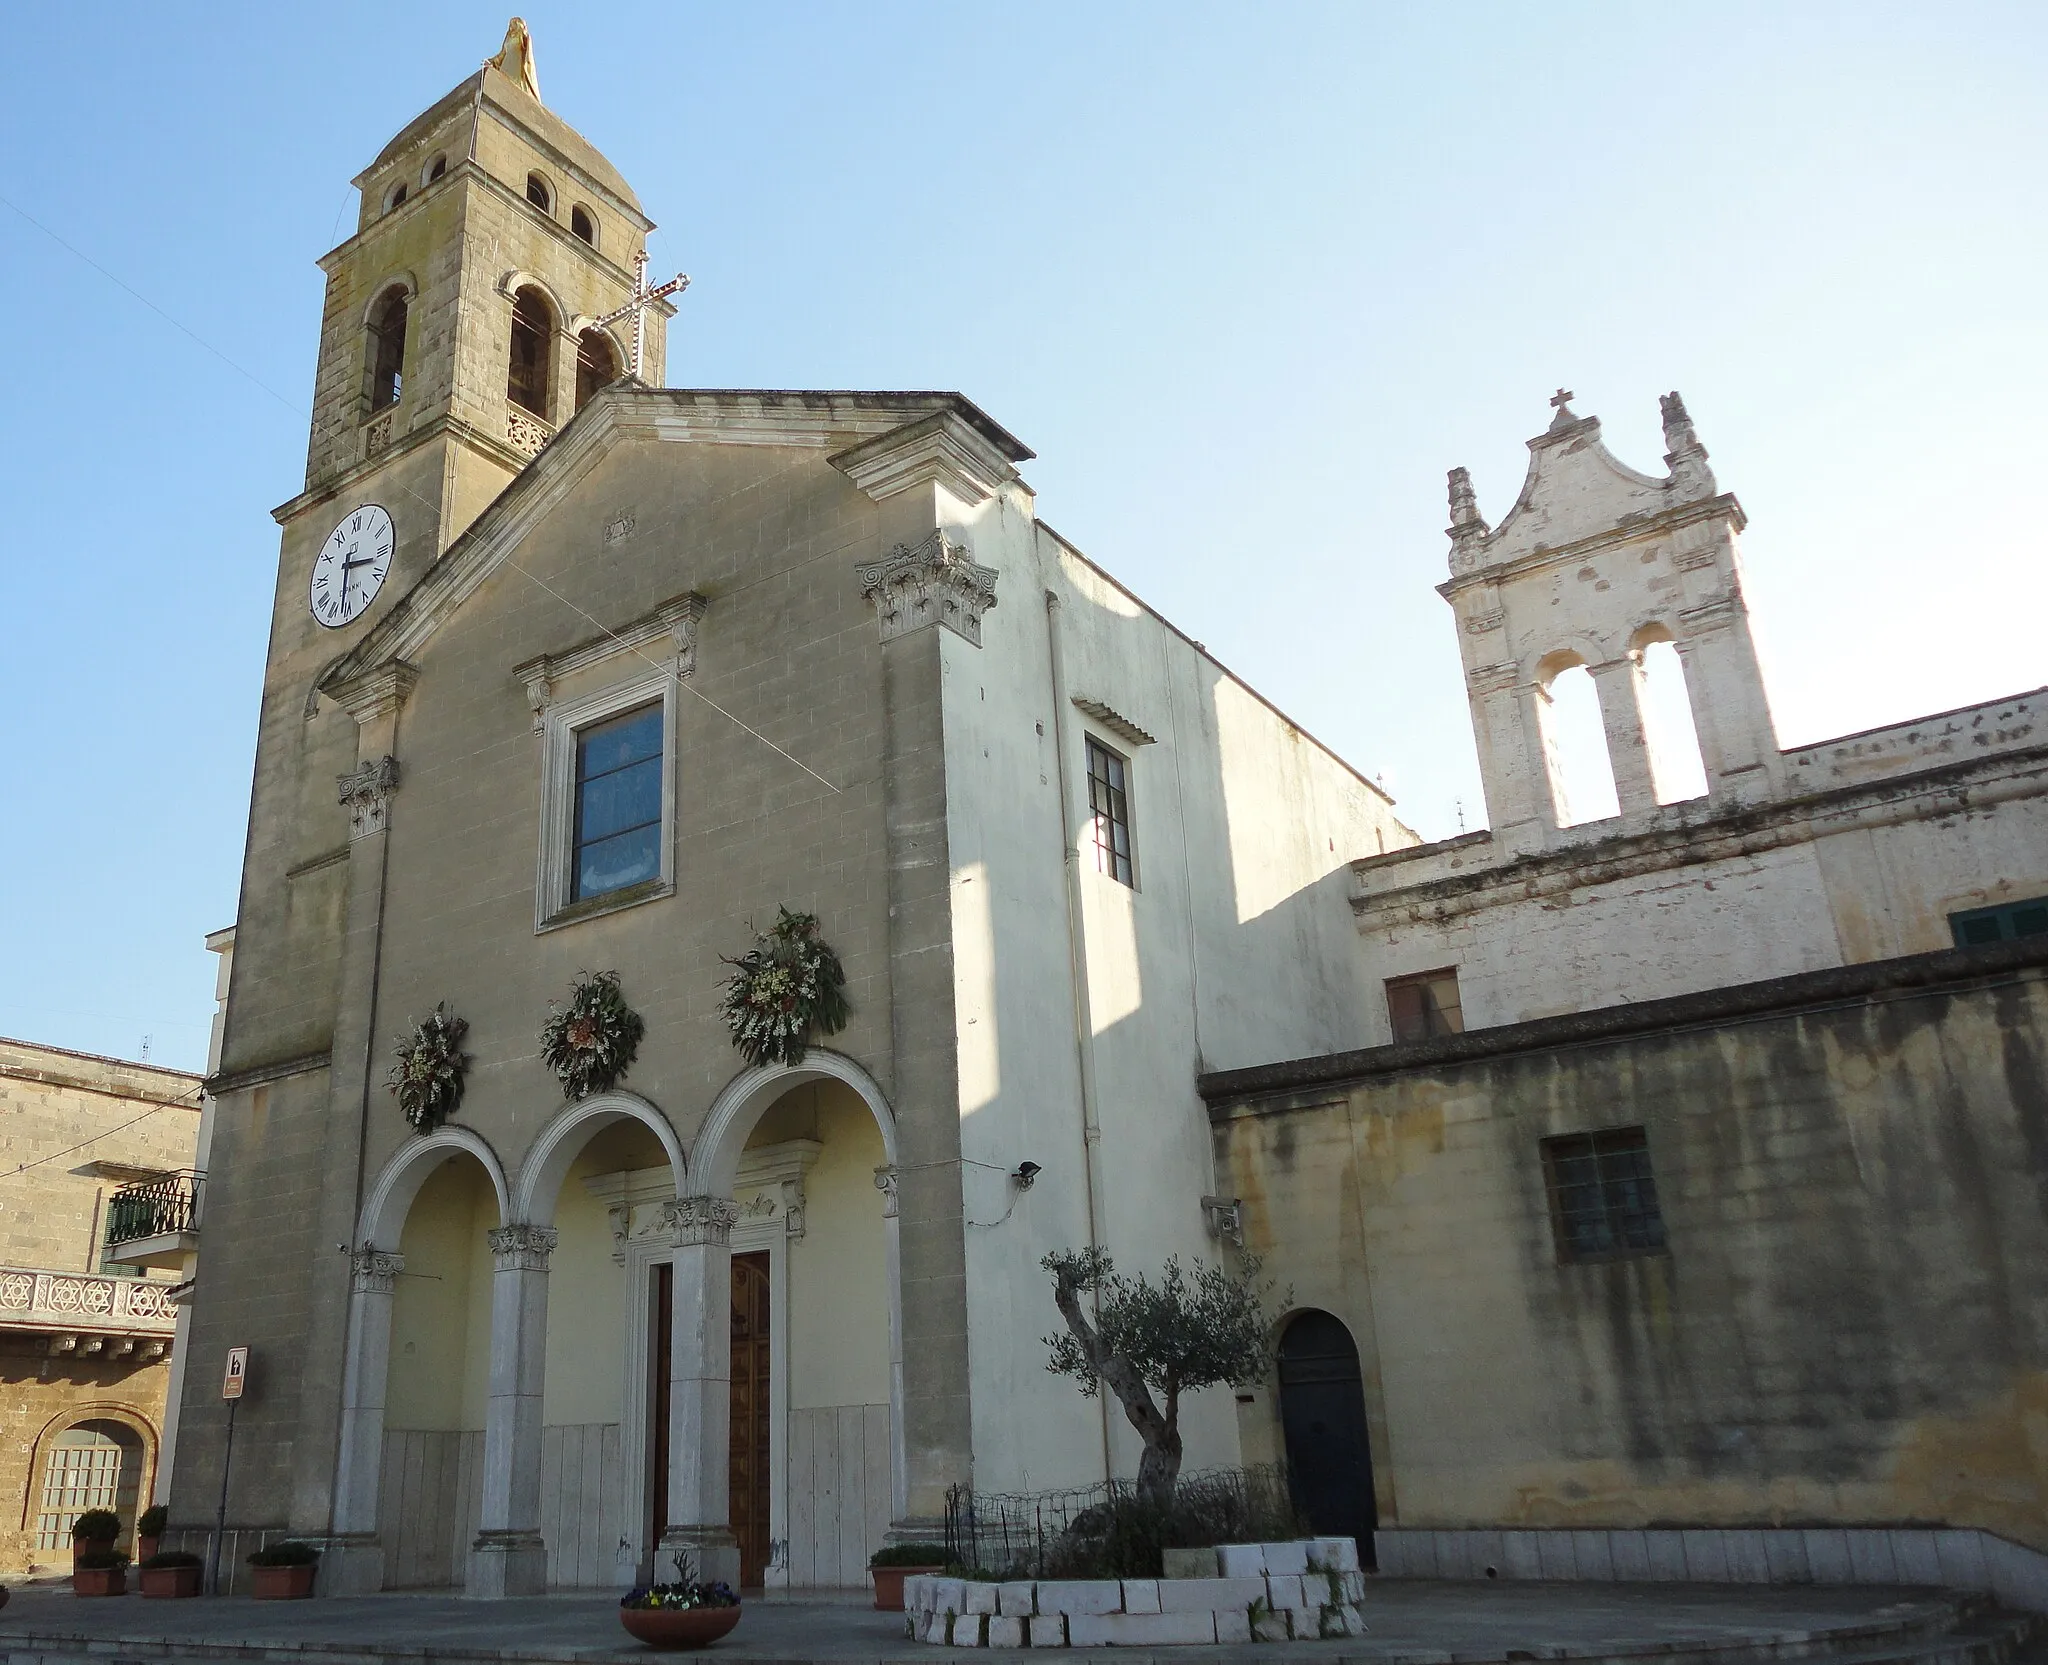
{"points": [[280, 1583], [146, 1547], [889, 1585], [81, 1546], [170, 1581], [99, 1581], [678, 1627]]}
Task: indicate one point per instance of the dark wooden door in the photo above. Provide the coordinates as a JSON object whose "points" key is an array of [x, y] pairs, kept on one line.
{"points": [[1322, 1413], [662, 1330], [750, 1417]]}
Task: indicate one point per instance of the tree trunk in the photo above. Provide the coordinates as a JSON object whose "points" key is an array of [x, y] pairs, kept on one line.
{"points": [[1159, 1465]]}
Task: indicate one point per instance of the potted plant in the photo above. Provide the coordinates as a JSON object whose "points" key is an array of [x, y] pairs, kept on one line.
{"points": [[893, 1563], [170, 1572], [93, 1533], [149, 1530], [685, 1614], [98, 1572], [283, 1571]]}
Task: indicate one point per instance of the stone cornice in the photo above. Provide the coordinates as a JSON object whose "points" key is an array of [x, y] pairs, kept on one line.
{"points": [[677, 618], [445, 425], [85, 1072], [1234, 1093], [1632, 530], [374, 693], [941, 449], [1113, 720], [1694, 841], [260, 1075]]}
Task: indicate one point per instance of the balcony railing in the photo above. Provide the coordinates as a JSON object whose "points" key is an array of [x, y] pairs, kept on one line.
{"points": [[85, 1305], [165, 1206]]}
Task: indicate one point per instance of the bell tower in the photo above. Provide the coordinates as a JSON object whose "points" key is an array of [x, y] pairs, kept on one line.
{"points": [[462, 324]]}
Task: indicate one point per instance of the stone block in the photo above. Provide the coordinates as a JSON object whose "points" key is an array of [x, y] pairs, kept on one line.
{"points": [[1666, 1550], [1453, 1554], [1188, 1563], [967, 1630], [1785, 1557], [1706, 1555], [1045, 1630], [917, 1593], [1268, 1626], [1591, 1557], [1521, 1555], [1284, 1590], [1554, 1555], [1005, 1633], [1485, 1558], [1960, 1553], [980, 1597], [1080, 1595], [1351, 1586], [928, 1626], [1205, 1595], [1913, 1550], [1339, 1619], [1289, 1557], [1016, 1600], [1748, 1560], [1232, 1625], [1139, 1630], [1141, 1595], [1827, 1555], [949, 1595], [1631, 1557], [1870, 1556], [1338, 1554], [1241, 1560], [1306, 1622]]}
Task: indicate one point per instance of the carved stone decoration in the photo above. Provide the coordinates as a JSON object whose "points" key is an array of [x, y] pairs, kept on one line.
{"points": [[1684, 455], [366, 794], [1492, 679], [885, 1182], [934, 582], [522, 1247], [1467, 531], [1480, 623], [540, 692], [695, 1220], [620, 1217], [374, 1271], [1224, 1216], [793, 1202]]}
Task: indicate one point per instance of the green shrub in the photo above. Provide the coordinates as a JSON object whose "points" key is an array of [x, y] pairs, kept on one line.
{"points": [[171, 1558], [94, 1560], [100, 1526], [909, 1555], [152, 1521], [288, 1553]]}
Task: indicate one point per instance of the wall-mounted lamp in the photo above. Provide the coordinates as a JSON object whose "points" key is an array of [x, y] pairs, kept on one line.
{"points": [[1024, 1175]]}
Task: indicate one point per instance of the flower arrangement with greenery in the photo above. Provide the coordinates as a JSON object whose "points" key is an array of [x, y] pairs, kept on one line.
{"points": [[286, 1553], [427, 1079], [591, 1042], [685, 1592], [788, 987]]}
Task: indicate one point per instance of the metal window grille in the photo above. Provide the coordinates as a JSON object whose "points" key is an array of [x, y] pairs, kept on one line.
{"points": [[1110, 804], [1603, 1199]]}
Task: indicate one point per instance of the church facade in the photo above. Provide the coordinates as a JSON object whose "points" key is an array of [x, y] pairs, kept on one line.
{"points": [[573, 673]]}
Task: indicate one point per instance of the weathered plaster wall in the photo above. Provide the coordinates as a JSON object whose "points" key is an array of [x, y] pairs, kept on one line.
{"points": [[1851, 1324]]}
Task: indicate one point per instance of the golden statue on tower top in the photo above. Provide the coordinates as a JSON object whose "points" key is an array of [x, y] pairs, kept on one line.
{"points": [[515, 58]]}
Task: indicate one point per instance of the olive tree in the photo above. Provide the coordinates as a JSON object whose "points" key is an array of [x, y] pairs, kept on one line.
{"points": [[1152, 1342]]}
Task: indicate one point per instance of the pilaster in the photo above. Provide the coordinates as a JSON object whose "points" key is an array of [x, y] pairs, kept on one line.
{"points": [[700, 1387], [508, 1557]]}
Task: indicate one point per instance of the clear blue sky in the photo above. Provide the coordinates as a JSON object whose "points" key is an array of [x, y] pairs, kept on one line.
{"points": [[1249, 279]]}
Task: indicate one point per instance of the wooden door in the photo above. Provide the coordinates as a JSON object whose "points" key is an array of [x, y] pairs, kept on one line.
{"points": [[1322, 1415], [750, 1414], [661, 1332]]}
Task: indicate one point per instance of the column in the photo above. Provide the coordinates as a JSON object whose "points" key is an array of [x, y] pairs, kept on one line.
{"points": [[1619, 685], [353, 1561], [700, 1391], [508, 1557]]}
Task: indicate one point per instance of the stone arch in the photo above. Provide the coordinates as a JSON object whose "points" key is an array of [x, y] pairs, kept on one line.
{"points": [[72, 1416], [548, 1162], [715, 1152], [382, 287], [391, 1197]]}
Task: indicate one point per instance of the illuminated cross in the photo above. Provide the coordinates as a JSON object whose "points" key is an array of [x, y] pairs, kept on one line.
{"points": [[638, 302], [1563, 397]]}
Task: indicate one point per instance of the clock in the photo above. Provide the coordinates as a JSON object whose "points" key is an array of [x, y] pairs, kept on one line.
{"points": [[349, 570]]}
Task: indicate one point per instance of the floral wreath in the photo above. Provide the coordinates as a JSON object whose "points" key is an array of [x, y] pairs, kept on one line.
{"points": [[784, 989], [591, 1042], [427, 1079]]}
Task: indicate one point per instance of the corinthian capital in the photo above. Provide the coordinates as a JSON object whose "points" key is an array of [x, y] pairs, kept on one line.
{"points": [[932, 582], [366, 794], [374, 1271], [522, 1248], [694, 1220]]}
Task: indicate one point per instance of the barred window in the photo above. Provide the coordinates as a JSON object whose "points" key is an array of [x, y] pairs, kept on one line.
{"points": [[1425, 1005], [1109, 803], [1603, 1200]]}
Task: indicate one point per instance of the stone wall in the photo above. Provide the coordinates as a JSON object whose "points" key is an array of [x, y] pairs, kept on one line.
{"points": [[1849, 1324]]}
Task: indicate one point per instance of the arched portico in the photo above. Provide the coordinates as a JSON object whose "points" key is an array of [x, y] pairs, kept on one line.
{"points": [[355, 1562], [547, 1164]]}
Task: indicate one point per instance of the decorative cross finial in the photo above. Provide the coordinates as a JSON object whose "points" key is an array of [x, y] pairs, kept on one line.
{"points": [[637, 304], [1561, 398]]}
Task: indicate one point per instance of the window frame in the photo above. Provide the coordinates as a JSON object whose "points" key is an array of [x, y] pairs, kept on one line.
{"points": [[1999, 913], [555, 904], [1091, 743], [1551, 1148], [1418, 979]]}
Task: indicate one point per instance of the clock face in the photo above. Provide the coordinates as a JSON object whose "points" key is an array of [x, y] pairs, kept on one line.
{"points": [[349, 570]]}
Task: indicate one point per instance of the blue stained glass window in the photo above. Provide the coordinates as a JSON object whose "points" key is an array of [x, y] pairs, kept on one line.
{"points": [[618, 803]]}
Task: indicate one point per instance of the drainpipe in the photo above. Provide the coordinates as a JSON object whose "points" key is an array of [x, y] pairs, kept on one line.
{"points": [[1077, 964]]}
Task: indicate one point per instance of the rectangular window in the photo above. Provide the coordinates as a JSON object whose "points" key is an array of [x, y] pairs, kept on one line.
{"points": [[1109, 803], [1425, 1005], [2002, 924], [618, 804], [1603, 1201]]}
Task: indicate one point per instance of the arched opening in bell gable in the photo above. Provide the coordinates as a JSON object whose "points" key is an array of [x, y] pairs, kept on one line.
{"points": [[597, 365], [532, 358], [1677, 771], [1575, 755]]}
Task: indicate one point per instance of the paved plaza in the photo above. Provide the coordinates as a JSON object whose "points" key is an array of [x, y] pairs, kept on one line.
{"points": [[1414, 1622]]}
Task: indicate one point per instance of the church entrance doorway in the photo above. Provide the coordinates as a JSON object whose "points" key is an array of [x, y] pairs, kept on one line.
{"points": [[1322, 1414], [752, 1420]]}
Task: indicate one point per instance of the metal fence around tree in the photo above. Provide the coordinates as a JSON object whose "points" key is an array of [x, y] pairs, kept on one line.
{"points": [[1109, 1530]]}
